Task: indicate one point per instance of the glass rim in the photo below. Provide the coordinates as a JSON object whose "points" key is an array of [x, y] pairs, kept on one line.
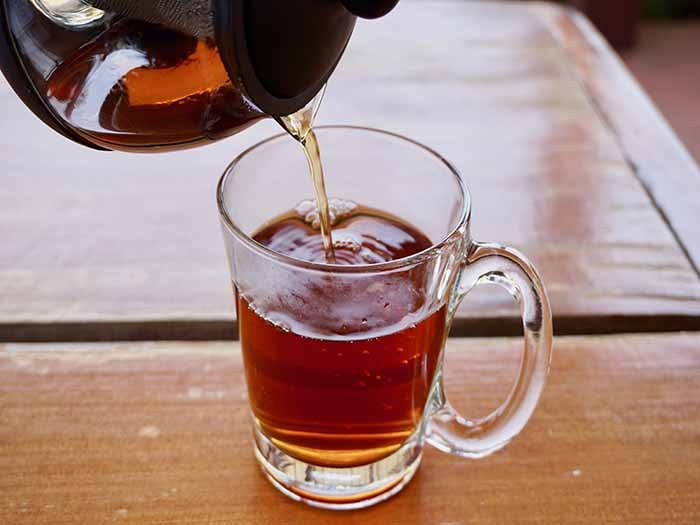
{"points": [[403, 262]]}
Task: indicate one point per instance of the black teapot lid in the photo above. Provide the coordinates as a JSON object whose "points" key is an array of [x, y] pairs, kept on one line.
{"points": [[284, 51]]}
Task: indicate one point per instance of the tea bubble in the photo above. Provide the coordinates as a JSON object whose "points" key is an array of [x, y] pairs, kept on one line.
{"points": [[338, 208], [344, 241]]}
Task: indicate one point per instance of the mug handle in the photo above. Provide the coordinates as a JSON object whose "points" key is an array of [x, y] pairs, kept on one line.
{"points": [[447, 430]]}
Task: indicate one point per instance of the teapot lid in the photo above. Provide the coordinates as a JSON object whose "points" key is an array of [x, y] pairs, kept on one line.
{"points": [[284, 52]]}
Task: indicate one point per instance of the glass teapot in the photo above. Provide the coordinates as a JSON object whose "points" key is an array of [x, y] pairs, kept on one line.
{"points": [[154, 75]]}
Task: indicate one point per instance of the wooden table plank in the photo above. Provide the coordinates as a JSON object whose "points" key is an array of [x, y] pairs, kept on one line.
{"points": [[159, 433], [663, 165], [112, 246]]}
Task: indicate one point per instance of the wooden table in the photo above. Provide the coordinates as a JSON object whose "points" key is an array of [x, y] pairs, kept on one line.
{"points": [[566, 158], [159, 433]]}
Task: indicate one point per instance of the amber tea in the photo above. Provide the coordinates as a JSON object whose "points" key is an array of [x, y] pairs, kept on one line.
{"points": [[355, 394]]}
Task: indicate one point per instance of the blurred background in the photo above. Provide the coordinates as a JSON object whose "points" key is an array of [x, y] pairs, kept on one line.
{"points": [[660, 42]]}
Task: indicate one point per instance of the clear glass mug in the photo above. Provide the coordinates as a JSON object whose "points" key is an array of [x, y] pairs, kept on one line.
{"points": [[340, 419]]}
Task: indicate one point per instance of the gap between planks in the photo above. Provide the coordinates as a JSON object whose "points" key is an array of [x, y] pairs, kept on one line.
{"points": [[223, 329]]}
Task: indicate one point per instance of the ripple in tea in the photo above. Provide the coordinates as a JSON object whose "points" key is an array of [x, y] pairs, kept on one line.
{"points": [[341, 378]]}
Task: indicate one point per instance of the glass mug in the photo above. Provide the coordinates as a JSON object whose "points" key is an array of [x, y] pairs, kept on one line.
{"points": [[342, 409]]}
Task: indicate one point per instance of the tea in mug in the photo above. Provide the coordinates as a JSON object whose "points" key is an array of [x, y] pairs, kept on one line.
{"points": [[339, 371]]}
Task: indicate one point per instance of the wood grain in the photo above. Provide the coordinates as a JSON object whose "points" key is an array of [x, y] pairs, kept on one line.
{"points": [[159, 433], [111, 246]]}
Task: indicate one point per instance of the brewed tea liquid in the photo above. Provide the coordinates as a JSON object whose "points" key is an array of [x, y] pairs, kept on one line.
{"points": [[353, 394], [313, 157], [300, 126], [137, 85]]}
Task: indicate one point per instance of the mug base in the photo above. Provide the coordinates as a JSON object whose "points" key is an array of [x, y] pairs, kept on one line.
{"points": [[338, 488]]}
